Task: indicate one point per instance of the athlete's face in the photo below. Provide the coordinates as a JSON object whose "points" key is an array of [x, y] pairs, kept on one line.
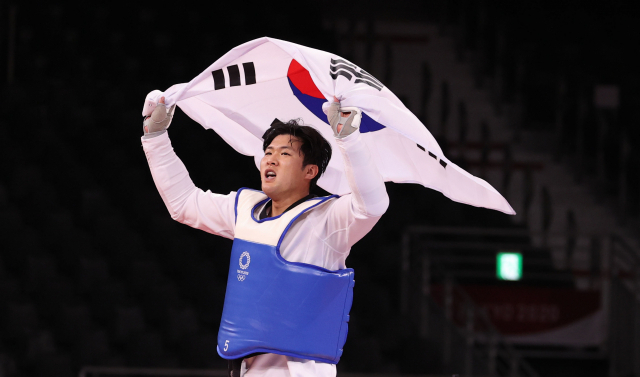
{"points": [[281, 169]]}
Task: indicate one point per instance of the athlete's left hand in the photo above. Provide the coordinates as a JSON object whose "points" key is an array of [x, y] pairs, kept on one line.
{"points": [[344, 121]]}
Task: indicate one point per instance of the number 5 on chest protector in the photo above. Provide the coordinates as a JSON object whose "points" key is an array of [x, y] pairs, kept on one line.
{"points": [[282, 307]]}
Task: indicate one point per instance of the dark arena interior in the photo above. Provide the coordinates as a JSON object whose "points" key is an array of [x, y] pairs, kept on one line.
{"points": [[540, 99]]}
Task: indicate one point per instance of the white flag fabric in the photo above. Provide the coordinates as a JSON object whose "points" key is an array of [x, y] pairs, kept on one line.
{"points": [[244, 91]]}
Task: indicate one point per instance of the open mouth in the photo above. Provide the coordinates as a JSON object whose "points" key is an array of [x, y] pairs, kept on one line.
{"points": [[269, 175]]}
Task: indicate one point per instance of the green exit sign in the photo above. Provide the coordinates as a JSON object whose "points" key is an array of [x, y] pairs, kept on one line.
{"points": [[509, 266]]}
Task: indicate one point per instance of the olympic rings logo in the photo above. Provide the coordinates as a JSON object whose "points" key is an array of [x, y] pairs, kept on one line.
{"points": [[243, 265]]}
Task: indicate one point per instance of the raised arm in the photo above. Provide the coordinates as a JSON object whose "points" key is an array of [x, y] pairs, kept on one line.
{"points": [[368, 201], [213, 213]]}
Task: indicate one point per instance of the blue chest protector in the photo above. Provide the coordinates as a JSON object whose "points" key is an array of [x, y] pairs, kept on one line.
{"points": [[275, 306]]}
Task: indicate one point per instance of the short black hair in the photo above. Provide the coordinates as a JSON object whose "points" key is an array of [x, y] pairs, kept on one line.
{"points": [[315, 148]]}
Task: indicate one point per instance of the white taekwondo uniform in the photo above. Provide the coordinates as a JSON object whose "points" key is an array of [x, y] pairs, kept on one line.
{"points": [[322, 237]]}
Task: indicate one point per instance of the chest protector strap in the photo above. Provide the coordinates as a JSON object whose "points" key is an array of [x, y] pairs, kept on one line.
{"points": [[275, 306]]}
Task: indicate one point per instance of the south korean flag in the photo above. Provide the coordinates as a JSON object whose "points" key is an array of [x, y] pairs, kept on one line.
{"points": [[244, 91]]}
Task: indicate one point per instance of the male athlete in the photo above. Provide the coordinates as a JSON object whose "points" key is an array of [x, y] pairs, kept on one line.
{"points": [[288, 290]]}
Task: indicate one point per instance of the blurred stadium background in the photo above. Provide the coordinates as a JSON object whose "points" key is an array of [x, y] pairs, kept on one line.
{"points": [[539, 100]]}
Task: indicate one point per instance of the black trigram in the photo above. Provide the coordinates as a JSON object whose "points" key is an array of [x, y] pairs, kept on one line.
{"points": [[341, 67], [234, 75], [442, 162]]}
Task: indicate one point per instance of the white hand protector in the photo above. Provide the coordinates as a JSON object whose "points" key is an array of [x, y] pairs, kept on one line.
{"points": [[159, 120], [343, 126]]}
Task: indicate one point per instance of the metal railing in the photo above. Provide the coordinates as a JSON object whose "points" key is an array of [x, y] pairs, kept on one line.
{"points": [[486, 351], [480, 336], [617, 277]]}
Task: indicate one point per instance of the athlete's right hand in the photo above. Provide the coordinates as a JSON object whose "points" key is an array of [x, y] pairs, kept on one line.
{"points": [[160, 118]]}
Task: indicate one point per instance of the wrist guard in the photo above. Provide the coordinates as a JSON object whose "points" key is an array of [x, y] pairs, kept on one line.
{"points": [[159, 120], [349, 124]]}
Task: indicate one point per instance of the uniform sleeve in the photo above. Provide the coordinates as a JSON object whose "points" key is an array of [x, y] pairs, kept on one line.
{"points": [[358, 212], [213, 213]]}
